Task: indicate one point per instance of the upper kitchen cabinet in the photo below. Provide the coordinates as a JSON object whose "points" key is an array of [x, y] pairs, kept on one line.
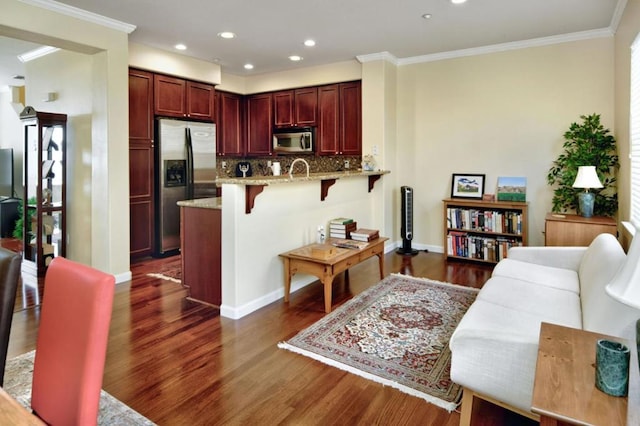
{"points": [[339, 119], [296, 108], [351, 118], [230, 124], [259, 122], [176, 97]]}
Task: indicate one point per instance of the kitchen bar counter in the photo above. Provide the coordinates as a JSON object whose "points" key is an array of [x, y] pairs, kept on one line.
{"points": [[255, 184], [297, 177], [203, 203]]}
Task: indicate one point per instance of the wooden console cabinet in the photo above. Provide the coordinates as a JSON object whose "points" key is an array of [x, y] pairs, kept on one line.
{"points": [[575, 230]]}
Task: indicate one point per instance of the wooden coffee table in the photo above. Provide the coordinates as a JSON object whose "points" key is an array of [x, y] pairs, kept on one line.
{"points": [[301, 260]]}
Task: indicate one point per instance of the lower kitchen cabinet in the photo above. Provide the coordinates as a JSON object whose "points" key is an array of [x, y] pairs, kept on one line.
{"points": [[201, 247]]}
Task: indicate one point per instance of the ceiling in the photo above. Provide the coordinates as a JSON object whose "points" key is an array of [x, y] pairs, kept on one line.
{"points": [[268, 32]]}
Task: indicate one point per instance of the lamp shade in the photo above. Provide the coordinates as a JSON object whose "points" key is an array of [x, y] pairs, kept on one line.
{"points": [[587, 178], [625, 285]]}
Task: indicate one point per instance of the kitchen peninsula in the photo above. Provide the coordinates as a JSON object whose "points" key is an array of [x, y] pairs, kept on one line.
{"points": [[284, 216]]}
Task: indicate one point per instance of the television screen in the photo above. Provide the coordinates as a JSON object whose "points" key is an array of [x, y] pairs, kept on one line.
{"points": [[6, 172]]}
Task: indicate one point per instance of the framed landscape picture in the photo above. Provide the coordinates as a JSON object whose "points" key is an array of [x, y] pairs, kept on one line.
{"points": [[467, 186], [512, 189]]}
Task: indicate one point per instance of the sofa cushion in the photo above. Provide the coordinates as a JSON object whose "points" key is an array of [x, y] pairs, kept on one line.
{"points": [[494, 351], [560, 278], [550, 304], [601, 313]]}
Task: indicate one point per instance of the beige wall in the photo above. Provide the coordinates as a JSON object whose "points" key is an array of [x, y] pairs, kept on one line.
{"points": [[626, 34], [69, 74], [499, 114], [310, 76], [151, 59], [109, 185]]}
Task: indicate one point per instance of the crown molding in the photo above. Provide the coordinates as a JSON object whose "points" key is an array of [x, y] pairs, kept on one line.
{"points": [[75, 12], [384, 56], [503, 47], [617, 15]]}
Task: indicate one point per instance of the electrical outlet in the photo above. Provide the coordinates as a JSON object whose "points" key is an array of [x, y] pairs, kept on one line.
{"points": [[224, 164], [346, 164], [375, 150]]}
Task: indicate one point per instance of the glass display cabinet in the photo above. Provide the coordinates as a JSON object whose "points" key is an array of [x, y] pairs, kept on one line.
{"points": [[43, 212]]}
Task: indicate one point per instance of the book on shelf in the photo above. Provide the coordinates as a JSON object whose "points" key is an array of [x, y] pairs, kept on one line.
{"points": [[350, 244], [364, 234]]}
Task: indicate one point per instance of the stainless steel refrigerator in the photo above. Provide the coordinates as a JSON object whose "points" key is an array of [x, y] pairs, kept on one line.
{"points": [[185, 170]]}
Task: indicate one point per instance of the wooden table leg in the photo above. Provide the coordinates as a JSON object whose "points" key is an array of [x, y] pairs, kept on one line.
{"points": [[381, 264], [287, 279], [327, 282]]}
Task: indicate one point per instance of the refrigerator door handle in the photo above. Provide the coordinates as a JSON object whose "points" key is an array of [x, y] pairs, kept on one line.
{"points": [[189, 147]]}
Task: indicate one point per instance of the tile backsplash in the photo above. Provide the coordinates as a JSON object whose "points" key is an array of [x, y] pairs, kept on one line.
{"points": [[317, 164]]}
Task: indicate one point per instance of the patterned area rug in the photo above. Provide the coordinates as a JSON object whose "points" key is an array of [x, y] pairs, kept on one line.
{"points": [[395, 333], [17, 382], [171, 271]]}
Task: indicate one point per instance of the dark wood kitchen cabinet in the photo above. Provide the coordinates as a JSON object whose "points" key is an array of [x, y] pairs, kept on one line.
{"points": [[339, 119], [177, 97], [141, 160], [259, 122], [230, 124], [296, 108], [201, 249]]}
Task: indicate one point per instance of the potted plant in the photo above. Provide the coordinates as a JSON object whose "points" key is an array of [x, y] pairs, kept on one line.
{"points": [[586, 144]]}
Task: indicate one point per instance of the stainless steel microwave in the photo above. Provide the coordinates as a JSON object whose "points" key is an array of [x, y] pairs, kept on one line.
{"points": [[293, 141]]}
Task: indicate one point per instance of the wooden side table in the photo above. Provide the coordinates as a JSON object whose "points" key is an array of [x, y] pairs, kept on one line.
{"points": [[564, 391], [575, 230]]}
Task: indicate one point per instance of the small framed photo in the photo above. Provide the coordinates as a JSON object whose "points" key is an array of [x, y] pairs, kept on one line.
{"points": [[467, 186], [512, 189]]}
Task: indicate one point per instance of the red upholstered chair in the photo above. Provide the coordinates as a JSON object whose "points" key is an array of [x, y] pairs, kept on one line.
{"points": [[72, 343], [9, 277]]}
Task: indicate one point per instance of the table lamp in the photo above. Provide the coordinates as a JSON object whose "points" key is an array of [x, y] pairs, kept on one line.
{"points": [[587, 178]]}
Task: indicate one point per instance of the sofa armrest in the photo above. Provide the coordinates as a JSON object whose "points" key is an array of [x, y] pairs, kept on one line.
{"points": [[557, 257]]}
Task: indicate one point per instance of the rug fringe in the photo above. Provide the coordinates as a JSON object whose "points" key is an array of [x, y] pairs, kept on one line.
{"points": [[164, 277], [429, 280], [449, 406]]}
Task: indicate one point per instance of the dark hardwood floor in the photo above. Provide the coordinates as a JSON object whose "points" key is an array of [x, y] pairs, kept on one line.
{"points": [[179, 363]]}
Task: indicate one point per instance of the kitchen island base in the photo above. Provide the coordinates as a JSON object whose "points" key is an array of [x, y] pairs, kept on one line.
{"points": [[302, 260]]}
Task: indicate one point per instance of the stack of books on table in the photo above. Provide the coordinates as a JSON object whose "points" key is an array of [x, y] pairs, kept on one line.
{"points": [[363, 234], [341, 227]]}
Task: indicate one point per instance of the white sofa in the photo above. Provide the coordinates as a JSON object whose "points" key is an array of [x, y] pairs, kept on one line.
{"points": [[494, 348]]}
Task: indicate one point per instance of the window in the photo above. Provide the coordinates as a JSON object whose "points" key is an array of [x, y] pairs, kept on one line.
{"points": [[635, 132]]}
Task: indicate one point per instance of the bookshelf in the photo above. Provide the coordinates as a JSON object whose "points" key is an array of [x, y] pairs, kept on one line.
{"points": [[483, 231]]}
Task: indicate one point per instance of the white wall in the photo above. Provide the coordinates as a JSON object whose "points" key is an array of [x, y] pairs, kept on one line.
{"points": [[69, 75], [11, 132], [285, 216], [501, 114]]}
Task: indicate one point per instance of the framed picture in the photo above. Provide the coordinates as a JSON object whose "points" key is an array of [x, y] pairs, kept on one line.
{"points": [[512, 189], [467, 186]]}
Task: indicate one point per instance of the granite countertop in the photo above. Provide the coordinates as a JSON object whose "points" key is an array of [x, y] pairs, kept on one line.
{"points": [[203, 203], [298, 177]]}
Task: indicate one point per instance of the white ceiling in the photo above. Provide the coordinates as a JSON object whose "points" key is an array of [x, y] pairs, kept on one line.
{"points": [[270, 31]]}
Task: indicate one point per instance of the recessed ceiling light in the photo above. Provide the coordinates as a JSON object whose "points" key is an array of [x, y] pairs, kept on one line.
{"points": [[180, 46], [458, 1], [295, 58], [427, 16], [248, 66], [226, 34], [309, 43]]}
